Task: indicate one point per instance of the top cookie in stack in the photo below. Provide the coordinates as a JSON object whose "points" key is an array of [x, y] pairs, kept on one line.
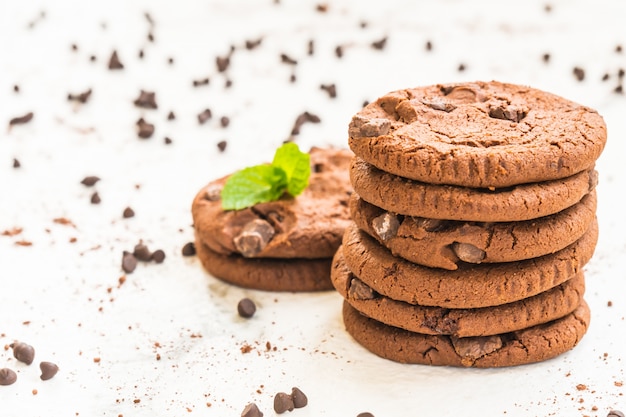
{"points": [[471, 201]]}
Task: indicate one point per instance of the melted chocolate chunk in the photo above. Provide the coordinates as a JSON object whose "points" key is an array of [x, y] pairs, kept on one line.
{"points": [[48, 370]]}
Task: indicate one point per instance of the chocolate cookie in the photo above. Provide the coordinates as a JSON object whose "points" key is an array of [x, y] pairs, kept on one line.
{"points": [[541, 308], [445, 243], [308, 226], [533, 344], [470, 286], [297, 275], [480, 134], [447, 202]]}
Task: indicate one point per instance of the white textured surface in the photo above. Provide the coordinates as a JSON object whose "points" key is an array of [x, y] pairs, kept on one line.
{"points": [[65, 299]]}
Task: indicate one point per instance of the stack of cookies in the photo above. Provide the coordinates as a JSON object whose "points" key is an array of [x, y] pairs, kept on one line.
{"points": [[283, 245], [473, 216]]}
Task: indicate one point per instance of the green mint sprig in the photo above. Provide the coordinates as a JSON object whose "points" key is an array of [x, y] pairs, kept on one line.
{"points": [[288, 173]]}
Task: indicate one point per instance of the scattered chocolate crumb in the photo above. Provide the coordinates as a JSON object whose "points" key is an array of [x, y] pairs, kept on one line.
{"points": [[23, 352], [16, 163], [380, 45], [170, 60], [547, 8], [331, 89], [283, 402], [12, 232], [92, 58], [546, 57], [292, 78], [286, 59], [321, 7], [365, 414], [141, 252], [221, 145], [224, 121], [339, 51], [167, 140], [95, 198], [158, 256], [7, 376], [609, 303], [429, 46], [620, 73], [129, 262], [74, 47], [310, 47], [201, 81], [81, 97], [20, 120], [146, 100], [222, 62], [228, 83], [618, 49], [252, 44], [299, 398], [149, 18], [204, 116], [171, 116], [619, 89], [581, 387], [114, 62], [246, 308], [579, 73], [150, 37], [128, 213], [144, 129], [16, 88], [302, 119], [461, 67], [141, 54], [189, 249], [90, 180], [48, 370], [251, 410]]}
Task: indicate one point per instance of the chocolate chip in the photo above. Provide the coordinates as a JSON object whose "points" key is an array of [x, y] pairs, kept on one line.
{"points": [[286, 59], [358, 290], [128, 213], [251, 410], [509, 112], [213, 193], [7, 376], [20, 120], [246, 308], [202, 81], [16, 163], [579, 73], [205, 115], [431, 225], [299, 399], [142, 253], [189, 249], [439, 104], [310, 47], [158, 256], [365, 414], [221, 145], [468, 252], [615, 413], [129, 262], [254, 237], [81, 97], [224, 121], [95, 198], [283, 402], [375, 127], [331, 89], [23, 352], [472, 348], [303, 118], [146, 100], [386, 226], [48, 370], [144, 129], [252, 44], [90, 180], [171, 116], [318, 167], [379, 44], [114, 62]]}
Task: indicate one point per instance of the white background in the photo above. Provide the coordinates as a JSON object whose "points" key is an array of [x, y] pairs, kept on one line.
{"points": [[65, 299]]}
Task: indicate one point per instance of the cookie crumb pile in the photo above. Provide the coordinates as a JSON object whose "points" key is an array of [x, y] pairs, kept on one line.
{"points": [[473, 217], [283, 245]]}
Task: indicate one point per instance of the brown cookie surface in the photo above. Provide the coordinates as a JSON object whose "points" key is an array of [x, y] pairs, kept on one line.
{"points": [[523, 202], [541, 308], [533, 344], [470, 286], [445, 243], [270, 274], [480, 134], [308, 226]]}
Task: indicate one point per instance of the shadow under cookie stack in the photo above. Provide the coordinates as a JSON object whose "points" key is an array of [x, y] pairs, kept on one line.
{"points": [[474, 214]]}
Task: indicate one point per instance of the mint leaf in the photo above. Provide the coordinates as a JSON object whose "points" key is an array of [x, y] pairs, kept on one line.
{"points": [[253, 185], [297, 167]]}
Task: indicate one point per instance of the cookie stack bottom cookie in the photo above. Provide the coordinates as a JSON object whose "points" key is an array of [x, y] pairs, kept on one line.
{"points": [[284, 245]]}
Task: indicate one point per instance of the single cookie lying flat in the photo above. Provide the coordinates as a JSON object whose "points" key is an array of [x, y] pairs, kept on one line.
{"points": [[534, 344], [308, 226], [480, 134], [541, 308], [271, 274], [446, 202], [470, 286], [446, 243]]}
